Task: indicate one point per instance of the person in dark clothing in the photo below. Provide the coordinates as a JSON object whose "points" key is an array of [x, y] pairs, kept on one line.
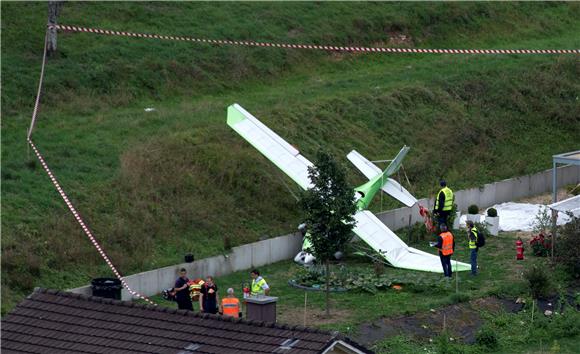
{"points": [[209, 297], [443, 203], [182, 291], [472, 235], [446, 246]]}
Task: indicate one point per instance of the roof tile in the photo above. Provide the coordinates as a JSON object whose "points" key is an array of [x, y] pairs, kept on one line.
{"points": [[55, 321]]}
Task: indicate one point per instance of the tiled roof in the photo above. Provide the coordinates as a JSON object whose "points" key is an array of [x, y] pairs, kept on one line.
{"points": [[51, 321]]}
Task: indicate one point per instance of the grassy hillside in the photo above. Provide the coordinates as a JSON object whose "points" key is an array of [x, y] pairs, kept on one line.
{"points": [[153, 186]]}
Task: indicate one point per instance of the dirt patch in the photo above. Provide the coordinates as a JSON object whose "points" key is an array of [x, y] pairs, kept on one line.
{"points": [[546, 198], [461, 320], [295, 316]]}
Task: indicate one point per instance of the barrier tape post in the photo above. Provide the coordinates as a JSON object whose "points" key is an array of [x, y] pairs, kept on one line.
{"points": [[70, 28]]}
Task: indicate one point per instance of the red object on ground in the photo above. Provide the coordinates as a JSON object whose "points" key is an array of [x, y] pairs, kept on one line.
{"points": [[427, 217], [519, 250]]}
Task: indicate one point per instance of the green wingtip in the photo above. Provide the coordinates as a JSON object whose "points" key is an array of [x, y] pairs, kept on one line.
{"points": [[234, 116]]}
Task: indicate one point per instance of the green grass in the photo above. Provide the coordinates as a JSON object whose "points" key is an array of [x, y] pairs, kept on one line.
{"points": [[500, 275], [153, 186]]}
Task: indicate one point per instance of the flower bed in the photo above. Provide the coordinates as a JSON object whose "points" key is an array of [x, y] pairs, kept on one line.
{"points": [[541, 245]]}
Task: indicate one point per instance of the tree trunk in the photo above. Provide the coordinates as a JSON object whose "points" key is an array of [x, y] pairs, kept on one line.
{"points": [[53, 11], [327, 288]]}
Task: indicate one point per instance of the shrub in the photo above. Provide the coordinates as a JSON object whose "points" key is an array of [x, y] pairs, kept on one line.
{"points": [[473, 209], [543, 221], [450, 219], [568, 247], [492, 212], [417, 232], [458, 298], [538, 281], [487, 337], [541, 245]]}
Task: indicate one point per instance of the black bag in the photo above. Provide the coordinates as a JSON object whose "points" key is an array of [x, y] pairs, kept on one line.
{"points": [[169, 294], [480, 242]]}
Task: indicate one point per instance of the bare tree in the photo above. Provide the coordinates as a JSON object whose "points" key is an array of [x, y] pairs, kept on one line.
{"points": [[54, 8]]}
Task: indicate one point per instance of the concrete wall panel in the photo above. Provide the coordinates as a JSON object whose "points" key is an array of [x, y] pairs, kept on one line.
{"points": [[241, 257], [521, 187], [504, 191], [166, 276], [260, 253]]}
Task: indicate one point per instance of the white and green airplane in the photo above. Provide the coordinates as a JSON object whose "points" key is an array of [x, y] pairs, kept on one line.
{"points": [[368, 227]]}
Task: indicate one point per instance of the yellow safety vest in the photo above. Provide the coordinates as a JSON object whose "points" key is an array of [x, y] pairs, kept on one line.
{"points": [[256, 288], [448, 199], [473, 244]]}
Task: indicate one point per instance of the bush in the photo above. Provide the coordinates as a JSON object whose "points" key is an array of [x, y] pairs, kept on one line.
{"points": [[492, 212], [459, 298], [543, 221], [473, 209], [450, 219], [541, 245], [538, 281], [486, 337], [568, 247]]}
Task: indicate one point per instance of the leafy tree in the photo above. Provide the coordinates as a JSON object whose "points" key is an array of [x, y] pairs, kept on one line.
{"points": [[329, 206], [568, 246]]}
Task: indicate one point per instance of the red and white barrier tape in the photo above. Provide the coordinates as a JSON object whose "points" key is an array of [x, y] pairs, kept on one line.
{"points": [[313, 46], [61, 191], [83, 225]]}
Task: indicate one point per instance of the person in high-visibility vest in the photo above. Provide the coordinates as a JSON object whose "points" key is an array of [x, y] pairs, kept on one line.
{"points": [[443, 203], [259, 285], [472, 235], [231, 305], [446, 245]]}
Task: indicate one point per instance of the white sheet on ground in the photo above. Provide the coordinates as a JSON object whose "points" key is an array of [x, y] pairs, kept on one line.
{"points": [[518, 216]]}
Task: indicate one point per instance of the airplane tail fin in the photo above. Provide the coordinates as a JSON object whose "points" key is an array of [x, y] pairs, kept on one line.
{"points": [[397, 161], [390, 186]]}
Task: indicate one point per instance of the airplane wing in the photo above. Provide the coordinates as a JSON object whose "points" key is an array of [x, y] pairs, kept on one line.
{"points": [[378, 236], [282, 154], [369, 169], [395, 190]]}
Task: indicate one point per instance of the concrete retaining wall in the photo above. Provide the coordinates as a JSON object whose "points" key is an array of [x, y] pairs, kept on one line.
{"points": [[285, 247], [488, 195], [240, 258]]}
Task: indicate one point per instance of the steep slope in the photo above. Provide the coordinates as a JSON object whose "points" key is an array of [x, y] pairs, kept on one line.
{"points": [[156, 185]]}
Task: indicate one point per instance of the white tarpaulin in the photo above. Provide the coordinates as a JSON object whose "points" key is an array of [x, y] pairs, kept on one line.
{"points": [[519, 216]]}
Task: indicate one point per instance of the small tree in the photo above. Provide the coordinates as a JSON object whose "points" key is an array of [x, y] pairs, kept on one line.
{"points": [[329, 207]]}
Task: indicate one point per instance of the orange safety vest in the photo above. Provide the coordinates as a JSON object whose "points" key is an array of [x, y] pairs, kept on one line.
{"points": [[447, 246], [231, 306]]}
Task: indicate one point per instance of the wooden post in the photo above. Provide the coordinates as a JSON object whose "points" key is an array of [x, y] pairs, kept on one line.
{"points": [[305, 299], [53, 12], [327, 289], [409, 234]]}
